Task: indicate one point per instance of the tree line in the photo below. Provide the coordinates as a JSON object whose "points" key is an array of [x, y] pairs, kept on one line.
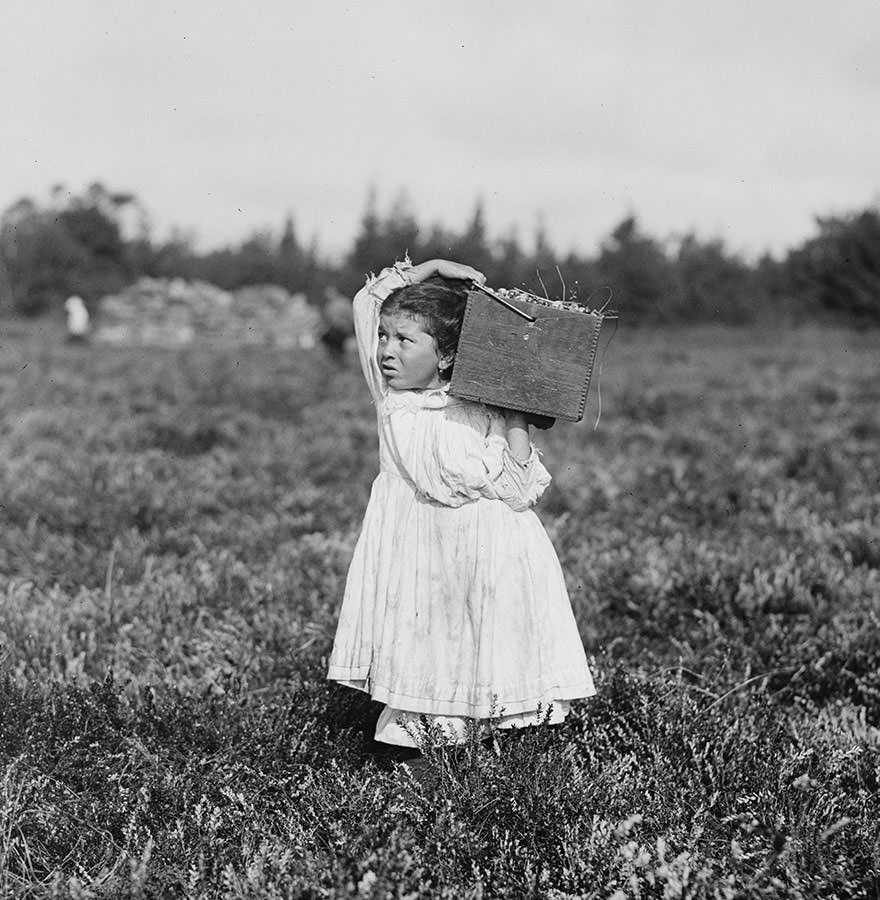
{"points": [[96, 242]]}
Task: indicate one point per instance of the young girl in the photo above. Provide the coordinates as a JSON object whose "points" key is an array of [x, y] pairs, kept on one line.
{"points": [[455, 605]]}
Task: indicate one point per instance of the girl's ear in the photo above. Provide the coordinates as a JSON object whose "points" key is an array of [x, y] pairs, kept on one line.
{"points": [[445, 361]]}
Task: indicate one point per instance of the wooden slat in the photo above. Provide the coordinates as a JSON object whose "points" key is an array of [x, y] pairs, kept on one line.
{"points": [[541, 367]]}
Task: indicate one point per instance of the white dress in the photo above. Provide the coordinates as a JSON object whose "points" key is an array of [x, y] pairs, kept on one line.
{"points": [[455, 604]]}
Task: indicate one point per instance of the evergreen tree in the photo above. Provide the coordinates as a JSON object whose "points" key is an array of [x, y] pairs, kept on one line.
{"points": [[291, 262], [438, 243], [73, 246], [400, 234], [510, 266], [640, 274], [367, 244], [473, 245], [840, 267], [713, 284], [544, 261]]}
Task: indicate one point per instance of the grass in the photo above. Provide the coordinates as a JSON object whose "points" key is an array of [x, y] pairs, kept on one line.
{"points": [[176, 528]]}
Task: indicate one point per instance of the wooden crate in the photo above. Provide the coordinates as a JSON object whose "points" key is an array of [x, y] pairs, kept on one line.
{"points": [[541, 367]]}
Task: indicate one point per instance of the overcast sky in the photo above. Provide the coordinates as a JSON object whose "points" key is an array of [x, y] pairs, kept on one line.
{"points": [[740, 120]]}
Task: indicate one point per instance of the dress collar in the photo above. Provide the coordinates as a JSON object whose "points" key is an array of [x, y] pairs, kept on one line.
{"points": [[429, 398]]}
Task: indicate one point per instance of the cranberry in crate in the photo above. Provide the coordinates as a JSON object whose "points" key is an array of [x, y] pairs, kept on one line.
{"points": [[525, 353]]}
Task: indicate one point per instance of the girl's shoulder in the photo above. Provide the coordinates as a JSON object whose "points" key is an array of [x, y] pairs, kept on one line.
{"points": [[445, 406], [471, 409], [470, 417]]}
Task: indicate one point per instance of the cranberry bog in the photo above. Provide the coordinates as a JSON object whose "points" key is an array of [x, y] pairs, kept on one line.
{"points": [[175, 528]]}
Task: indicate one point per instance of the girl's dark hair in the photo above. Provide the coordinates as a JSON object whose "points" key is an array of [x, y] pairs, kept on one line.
{"points": [[439, 305]]}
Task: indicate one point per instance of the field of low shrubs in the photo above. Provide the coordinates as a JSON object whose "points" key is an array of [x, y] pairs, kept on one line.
{"points": [[175, 528]]}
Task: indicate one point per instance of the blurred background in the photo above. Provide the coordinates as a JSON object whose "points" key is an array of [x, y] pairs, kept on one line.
{"points": [[709, 162]]}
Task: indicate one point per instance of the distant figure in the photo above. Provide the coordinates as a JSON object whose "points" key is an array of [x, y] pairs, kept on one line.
{"points": [[77, 319], [337, 324]]}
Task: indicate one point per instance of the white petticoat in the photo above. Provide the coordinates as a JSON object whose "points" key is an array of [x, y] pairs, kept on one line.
{"points": [[397, 726]]}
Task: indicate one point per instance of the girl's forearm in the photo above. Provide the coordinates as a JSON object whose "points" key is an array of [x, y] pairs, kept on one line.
{"points": [[445, 268], [518, 435], [423, 271]]}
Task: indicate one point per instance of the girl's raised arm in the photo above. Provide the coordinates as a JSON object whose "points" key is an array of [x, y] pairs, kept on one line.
{"points": [[446, 268], [366, 307]]}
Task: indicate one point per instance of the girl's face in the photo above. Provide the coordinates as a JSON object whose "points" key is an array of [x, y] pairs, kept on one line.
{"points": [[407, 354]]}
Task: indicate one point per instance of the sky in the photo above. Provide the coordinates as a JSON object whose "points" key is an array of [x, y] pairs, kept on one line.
{"points": [[737, 121]]}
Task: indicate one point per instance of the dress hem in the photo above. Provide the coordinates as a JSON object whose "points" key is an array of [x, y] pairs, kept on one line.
{"points": [[500, 706]]}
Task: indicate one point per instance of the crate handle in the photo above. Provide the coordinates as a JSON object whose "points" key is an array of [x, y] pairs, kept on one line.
{"points": [[502, 301]]}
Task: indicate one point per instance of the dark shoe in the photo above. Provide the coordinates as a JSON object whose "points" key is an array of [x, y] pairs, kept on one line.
{"points": [[390, 753], [422, 772]]}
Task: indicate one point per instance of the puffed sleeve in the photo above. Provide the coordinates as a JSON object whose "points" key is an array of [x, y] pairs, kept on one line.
{"points": [[519, 483], [454, 463], [366, 307]]}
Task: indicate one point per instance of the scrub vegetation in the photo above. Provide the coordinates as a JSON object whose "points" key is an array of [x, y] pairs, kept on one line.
{"points": [[175, 528], [86, 244]]}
